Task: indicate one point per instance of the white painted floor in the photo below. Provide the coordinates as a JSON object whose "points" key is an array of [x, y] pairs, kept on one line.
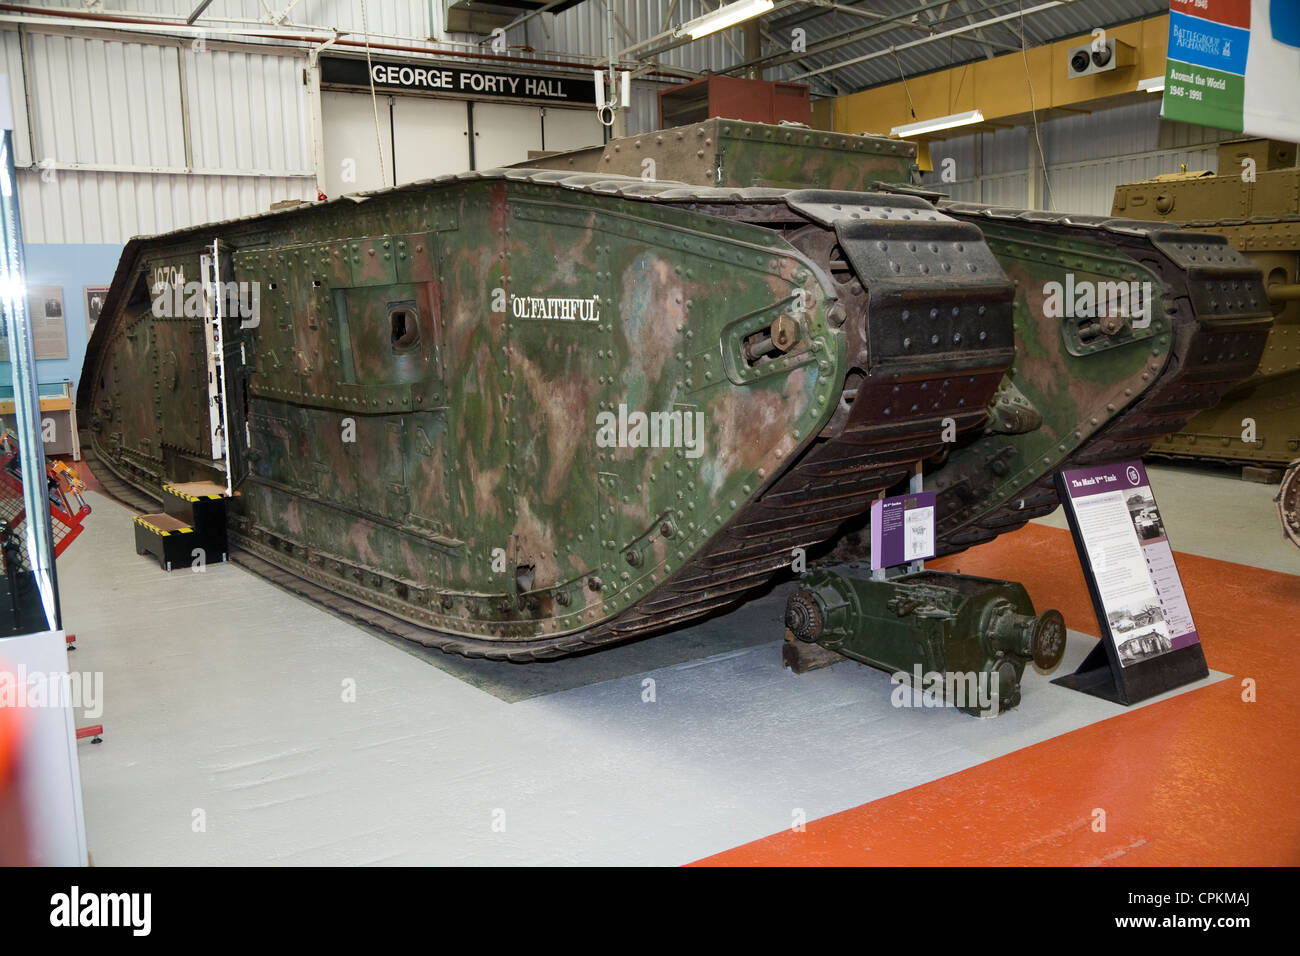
{"points": [[228, 739]]}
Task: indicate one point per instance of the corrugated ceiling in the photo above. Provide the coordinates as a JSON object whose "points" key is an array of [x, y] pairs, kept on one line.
{"points": [[1065, 20]]}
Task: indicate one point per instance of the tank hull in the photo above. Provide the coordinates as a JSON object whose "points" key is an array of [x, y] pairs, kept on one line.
{"points": [[478, 482]]}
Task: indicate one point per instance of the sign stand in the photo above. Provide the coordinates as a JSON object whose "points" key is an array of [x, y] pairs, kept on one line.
{"points": [[1149, 643]]}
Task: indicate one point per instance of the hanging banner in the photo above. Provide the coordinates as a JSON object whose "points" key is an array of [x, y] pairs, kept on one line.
{"points": [[1227, 63]]}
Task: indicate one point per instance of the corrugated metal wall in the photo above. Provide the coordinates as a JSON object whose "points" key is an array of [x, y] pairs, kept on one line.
{"points": [[269, 131], [11, 64], [113, 107], [106, 103], [109, 134], [405, 18], [1087, 155], [81, 207]]}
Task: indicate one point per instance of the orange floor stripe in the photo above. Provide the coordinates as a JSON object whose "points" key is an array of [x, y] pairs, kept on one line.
{"points": [[1202, 779]]}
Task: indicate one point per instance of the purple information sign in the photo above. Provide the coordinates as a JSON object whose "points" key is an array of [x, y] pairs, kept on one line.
{"points": [[902, 529], [1137, 583]]}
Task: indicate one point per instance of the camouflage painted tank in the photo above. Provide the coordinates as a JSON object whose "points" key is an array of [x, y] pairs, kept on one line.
{"points": [[523, 413], [1123, 329], [1255, 204]]}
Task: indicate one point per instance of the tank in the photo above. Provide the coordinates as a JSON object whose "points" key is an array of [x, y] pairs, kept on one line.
{"points": [[1255, 205], [529, 412]]}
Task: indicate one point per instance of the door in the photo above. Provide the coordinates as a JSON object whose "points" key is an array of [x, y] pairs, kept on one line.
{"points": [[503, 134], [352, 147], [571, 129]]}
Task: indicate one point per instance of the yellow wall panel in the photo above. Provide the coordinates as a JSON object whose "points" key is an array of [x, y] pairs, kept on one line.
{"points": [[999, 87]]}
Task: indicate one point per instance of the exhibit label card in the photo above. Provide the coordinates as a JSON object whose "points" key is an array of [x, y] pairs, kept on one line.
{"points": [[1130, 561], [902, 529]]}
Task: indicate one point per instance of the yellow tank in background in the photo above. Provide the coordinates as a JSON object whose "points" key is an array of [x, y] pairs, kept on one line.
{"points": [[1254, 203]]}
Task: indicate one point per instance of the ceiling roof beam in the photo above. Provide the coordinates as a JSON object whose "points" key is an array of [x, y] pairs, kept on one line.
{"points": [[905, 24], [1039, 8], [670, 39], [980, 34], [890, 22]]}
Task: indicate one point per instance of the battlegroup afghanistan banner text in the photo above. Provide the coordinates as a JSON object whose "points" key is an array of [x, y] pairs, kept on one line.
{"points": [[1234, 64]]}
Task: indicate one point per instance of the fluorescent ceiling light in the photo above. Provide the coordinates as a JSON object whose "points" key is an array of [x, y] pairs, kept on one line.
{"points": [[943, 122], [724, 17], [1152, 84]]}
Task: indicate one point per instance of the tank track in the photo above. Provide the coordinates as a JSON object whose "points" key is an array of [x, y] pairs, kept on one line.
{"points": [[114, 485]]}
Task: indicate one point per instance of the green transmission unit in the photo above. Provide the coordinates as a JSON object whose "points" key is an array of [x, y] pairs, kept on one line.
{"points": [[971, 636]]}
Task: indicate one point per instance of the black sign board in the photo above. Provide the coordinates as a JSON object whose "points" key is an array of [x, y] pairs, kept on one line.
{"points": [[1149, 642], [429, 76]]}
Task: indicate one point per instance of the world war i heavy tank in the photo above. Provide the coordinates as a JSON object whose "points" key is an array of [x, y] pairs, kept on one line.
{"points": [[522, 413]]}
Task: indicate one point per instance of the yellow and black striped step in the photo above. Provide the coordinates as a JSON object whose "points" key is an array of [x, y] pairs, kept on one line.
{"points": [[176, 543], [202, 506], [163, 524], [193, 491]]}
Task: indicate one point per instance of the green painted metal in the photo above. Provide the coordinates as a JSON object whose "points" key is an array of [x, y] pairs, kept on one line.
{"points": [[722, 152], [961, 637], [1102, 388]]}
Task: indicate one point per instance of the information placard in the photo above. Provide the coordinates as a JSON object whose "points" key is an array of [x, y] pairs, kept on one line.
{"points": [[49, 332], [902, 529], [1149, 641]]}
